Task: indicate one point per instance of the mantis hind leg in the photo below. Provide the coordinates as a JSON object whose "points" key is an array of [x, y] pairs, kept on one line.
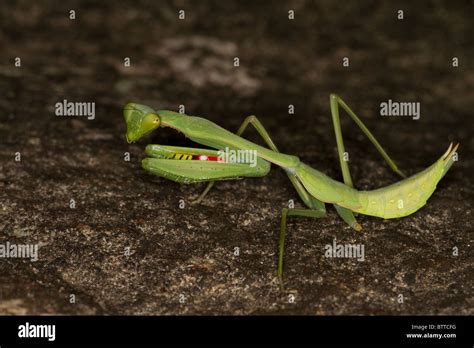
{"points": [[309, 200], [335, 102], [281, 244]]}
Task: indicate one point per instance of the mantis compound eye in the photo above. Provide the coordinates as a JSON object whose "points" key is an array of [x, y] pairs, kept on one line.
{"points": [[151, 120], [140, 120]]}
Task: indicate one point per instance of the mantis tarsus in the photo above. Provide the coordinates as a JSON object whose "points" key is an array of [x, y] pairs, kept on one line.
{"points": [[187, 165]]}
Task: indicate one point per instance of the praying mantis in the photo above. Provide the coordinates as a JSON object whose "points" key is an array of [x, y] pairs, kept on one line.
{"points": [[191, 165]]}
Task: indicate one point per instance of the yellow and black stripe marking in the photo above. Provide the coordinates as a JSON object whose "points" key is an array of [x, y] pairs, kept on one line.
{"points": [[180, 156], [189, 157]]}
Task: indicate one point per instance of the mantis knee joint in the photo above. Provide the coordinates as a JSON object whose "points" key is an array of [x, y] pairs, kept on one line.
{"points": [[251, 118], [333, 96]]}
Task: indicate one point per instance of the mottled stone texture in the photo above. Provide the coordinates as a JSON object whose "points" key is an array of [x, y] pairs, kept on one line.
{"points": [[191, 251]]}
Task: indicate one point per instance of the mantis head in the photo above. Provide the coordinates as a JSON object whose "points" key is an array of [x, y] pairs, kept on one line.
{"points": [[140, 120]]}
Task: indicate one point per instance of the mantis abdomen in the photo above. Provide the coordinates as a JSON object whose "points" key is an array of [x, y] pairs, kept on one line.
{"points": [[404, 197], [400, 199]]}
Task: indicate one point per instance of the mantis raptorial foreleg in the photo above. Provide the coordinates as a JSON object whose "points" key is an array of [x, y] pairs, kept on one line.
{"points": [[310, 201], [186, 165]]}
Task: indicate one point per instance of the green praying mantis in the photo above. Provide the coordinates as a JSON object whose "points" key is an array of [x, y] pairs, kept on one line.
{"points": [[190, 165]]}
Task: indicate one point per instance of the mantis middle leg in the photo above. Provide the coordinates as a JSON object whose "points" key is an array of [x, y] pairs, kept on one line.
{"points": [[316, 208], [281, 245]]}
